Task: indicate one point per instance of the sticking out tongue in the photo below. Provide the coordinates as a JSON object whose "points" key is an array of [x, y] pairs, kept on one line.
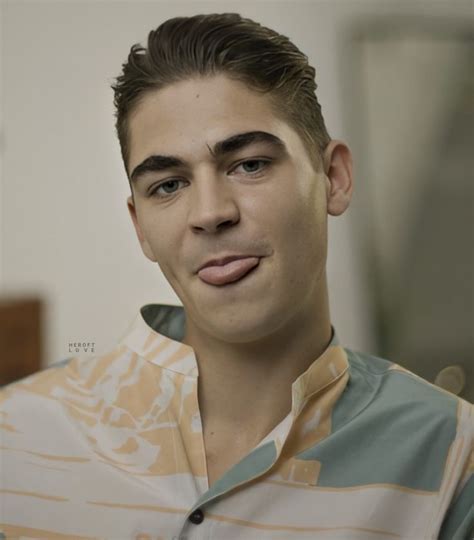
{"points": [[227, 273]]}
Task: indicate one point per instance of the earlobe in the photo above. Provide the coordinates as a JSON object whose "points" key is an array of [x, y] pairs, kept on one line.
{"points": [[141, 237], [337, 161]]}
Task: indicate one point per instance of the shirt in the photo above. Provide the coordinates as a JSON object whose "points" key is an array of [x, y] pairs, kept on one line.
{"points": [[112, 447]]}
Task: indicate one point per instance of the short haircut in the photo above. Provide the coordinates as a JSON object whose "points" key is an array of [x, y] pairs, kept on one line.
{"points": [[204, 45]]}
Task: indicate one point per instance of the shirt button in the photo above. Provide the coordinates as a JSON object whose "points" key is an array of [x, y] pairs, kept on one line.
{"points": [[197, 517]]}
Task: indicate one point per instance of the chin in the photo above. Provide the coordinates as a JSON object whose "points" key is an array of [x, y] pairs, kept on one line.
{"points": [[243, 325], [246, 312]]}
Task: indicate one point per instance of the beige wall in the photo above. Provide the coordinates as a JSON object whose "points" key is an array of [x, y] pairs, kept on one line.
{"points": [[65, 228]]}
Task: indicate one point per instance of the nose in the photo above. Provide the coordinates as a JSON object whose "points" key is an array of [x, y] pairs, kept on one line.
{"points": [[213, 206]]}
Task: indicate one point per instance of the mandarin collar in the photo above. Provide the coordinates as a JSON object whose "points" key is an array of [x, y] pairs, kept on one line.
{"points": [[158, 329]]}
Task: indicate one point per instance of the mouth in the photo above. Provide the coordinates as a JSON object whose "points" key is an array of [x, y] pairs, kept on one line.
{"points": [[230, 272]]}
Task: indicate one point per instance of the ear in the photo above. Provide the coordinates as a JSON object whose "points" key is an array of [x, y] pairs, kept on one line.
{"points": [[337, 162], [141, 237]]}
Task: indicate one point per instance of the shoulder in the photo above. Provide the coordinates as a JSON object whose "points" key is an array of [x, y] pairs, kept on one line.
{"points": [[70, 381], [420, 435], [391, 403], [397, 386], [62, 409], [40, 383], [432, 425]]}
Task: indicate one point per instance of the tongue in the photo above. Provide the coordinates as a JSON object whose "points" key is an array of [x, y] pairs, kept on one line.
{"points": [[227, 273]]}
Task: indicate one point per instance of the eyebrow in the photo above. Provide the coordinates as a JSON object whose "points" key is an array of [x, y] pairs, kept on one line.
{"points": [[232, 144]]}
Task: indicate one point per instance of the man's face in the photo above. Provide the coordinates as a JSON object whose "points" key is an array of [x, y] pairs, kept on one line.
{"points": [[213, 195]]}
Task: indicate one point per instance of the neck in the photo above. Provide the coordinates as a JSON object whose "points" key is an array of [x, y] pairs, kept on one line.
{"points": [[246, 387]]}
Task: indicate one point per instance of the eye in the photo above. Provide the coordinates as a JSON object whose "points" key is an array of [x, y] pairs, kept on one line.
{"points": [[251, 167], [166, 188]]}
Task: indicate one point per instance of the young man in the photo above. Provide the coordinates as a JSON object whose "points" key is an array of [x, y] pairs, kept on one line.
{"points": [[238, 416]]}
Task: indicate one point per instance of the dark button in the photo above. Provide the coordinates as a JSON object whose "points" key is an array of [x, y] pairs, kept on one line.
{"points": [[197, 517]]}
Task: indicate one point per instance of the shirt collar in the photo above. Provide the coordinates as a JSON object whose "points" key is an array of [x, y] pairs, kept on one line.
{"points": [[158, 329]]}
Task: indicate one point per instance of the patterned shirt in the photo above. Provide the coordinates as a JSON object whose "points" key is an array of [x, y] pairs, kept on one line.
{"points": [[112, 447]]}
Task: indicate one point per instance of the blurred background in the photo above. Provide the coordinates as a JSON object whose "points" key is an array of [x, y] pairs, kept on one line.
{"points": [[395, 81]]}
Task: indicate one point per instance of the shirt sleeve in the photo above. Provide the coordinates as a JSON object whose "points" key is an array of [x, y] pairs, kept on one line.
{"points": [[458, 523]]}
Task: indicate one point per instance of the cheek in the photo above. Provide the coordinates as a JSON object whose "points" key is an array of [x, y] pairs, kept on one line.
{"points": [[312, 210], [296, 213], [301, 234], [159, 235]]}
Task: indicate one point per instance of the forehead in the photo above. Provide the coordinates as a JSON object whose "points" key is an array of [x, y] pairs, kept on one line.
{"points": [[187, 117]]}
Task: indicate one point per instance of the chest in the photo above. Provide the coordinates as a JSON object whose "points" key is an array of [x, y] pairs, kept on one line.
{"points": [[223, 451]]}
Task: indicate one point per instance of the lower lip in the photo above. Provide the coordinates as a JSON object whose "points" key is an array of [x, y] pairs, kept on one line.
{"points": [[228, 273]]}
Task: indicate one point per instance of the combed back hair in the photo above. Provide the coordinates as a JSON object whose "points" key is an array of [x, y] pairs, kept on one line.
{"points": [[204, 45]]}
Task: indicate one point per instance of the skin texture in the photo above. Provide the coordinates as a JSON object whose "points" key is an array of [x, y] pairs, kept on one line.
{"points": [[254, 338]]}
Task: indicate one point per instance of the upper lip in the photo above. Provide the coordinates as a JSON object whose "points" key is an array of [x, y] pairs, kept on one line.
{"points": [[220, 261]]}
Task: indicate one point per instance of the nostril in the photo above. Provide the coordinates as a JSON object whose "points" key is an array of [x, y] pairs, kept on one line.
{"points": [[215, 227], [226, 224]]}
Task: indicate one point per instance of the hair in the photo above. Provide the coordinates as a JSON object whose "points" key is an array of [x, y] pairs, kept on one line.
{"points": [[204, 45]]}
